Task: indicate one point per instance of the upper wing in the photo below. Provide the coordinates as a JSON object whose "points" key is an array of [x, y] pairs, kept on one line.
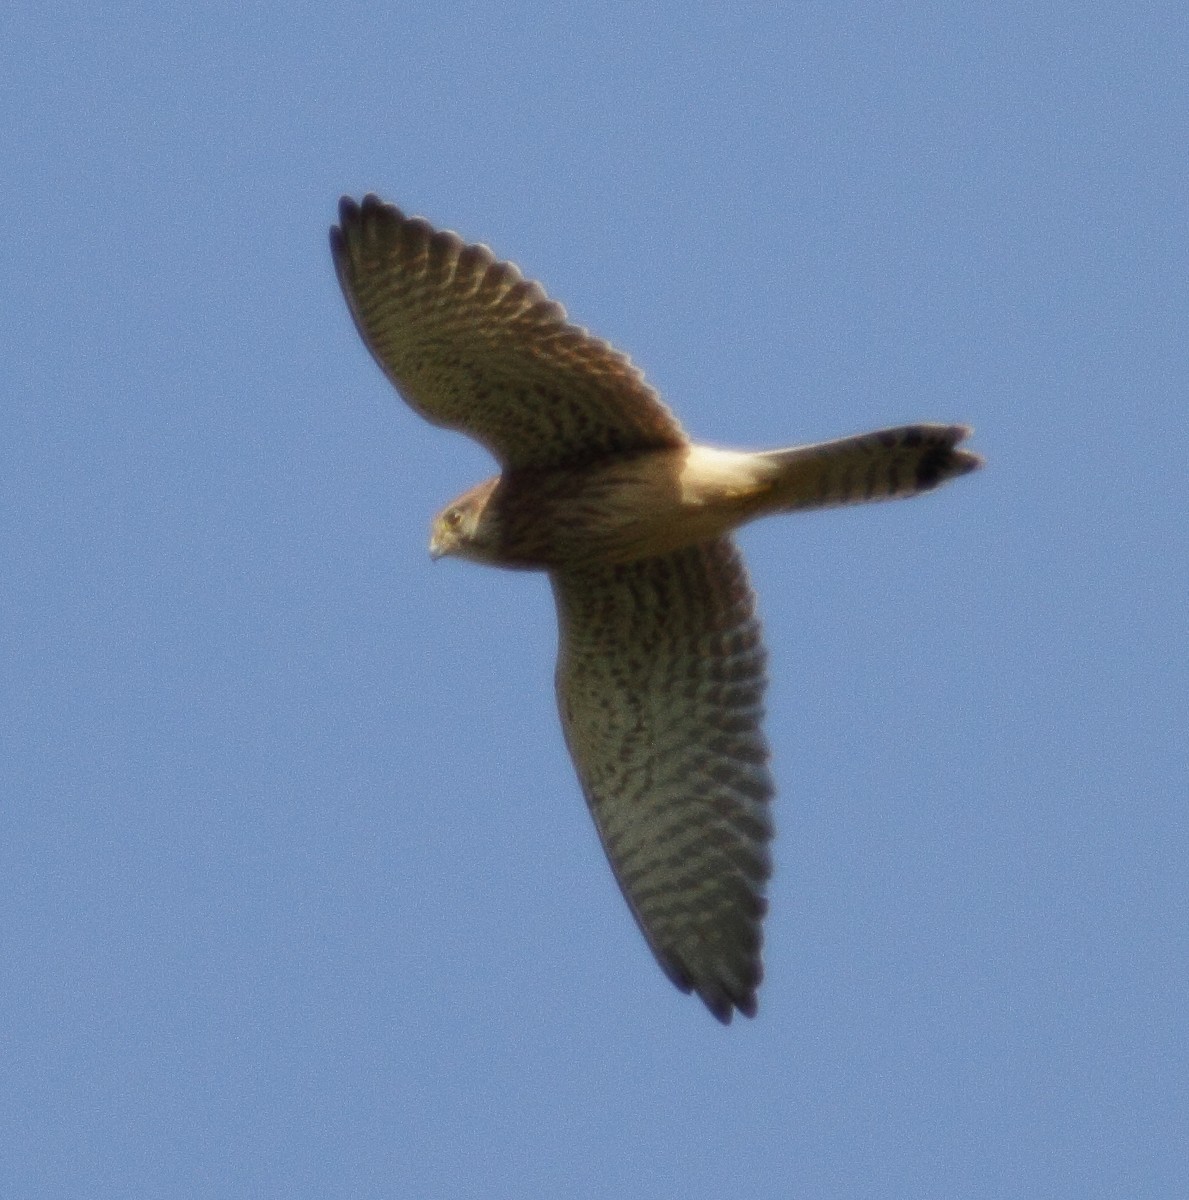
{"points": [[474, 346], [660, 681]]}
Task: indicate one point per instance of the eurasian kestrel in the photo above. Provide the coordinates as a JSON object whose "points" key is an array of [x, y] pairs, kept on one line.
{"points": [[660, 673]]}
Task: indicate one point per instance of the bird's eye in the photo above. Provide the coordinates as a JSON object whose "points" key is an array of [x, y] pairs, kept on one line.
{"points": [[453, 518]]}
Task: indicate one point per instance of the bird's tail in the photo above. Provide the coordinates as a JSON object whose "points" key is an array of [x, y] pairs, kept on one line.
{"points": [[883, 465]]}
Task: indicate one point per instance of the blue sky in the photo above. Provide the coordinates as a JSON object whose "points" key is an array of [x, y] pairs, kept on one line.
{"points": [[299, 896]]}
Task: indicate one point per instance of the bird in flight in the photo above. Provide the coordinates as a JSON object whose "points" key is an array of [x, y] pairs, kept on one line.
{"points": [[661, 663]]}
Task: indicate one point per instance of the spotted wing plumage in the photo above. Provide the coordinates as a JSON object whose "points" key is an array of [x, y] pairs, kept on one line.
{"points": [[472, 345], [660, 684]]}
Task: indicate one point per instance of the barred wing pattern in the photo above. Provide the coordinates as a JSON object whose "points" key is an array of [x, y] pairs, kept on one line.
{"points": [[660, 682], [472, 345]]}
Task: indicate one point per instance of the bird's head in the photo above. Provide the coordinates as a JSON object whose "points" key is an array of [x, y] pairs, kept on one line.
{"points": [[465, 528]]}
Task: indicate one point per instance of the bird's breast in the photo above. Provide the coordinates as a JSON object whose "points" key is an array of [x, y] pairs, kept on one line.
{"points": [[622, 509]]}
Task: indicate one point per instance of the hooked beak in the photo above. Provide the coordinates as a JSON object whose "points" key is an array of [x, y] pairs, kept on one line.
{"points": [[435, 550]]}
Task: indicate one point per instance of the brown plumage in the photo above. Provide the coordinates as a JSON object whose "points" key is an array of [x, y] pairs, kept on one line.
{"points": [[660, 673]]}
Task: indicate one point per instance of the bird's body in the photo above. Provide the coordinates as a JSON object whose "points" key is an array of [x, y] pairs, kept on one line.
{"points": [[661, 665], [630, 507], [635, 506]]}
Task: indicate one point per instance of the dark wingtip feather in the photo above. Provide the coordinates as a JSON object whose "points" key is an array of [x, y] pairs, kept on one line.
{"points": [[348, 211], [723, 1007], [355, 216], [720, 998]]}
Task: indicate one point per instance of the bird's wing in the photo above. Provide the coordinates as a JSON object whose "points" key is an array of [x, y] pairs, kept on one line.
{"points": [[474, 346], [660, 682]]}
